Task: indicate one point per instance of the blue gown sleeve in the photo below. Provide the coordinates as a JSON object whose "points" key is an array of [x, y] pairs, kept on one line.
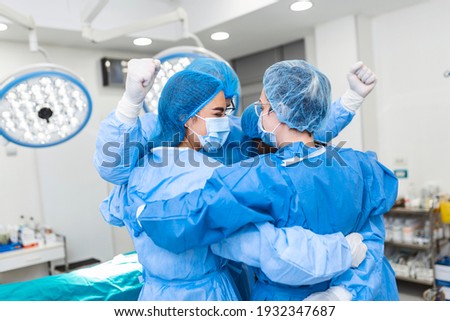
{"points": [[365, 282], [338, 118], [284, 254], [119, 146], [206, 216], [112, 208]]}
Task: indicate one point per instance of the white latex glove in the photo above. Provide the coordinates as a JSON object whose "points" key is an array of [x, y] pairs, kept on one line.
{"points": [[361, 81], [357, 247], [140, 78], [335, 293]]}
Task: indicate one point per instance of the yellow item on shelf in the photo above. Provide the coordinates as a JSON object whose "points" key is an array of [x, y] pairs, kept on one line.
{"points": [[445, 212]]}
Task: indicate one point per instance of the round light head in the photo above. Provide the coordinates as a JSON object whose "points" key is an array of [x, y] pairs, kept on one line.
{"points": [[173, 60], [3, 26], [42, 106]]}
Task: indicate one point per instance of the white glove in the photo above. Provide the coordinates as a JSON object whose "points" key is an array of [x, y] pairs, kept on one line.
{"points": [[335, 293], [357, 248], [361, 81], [140, 78]]}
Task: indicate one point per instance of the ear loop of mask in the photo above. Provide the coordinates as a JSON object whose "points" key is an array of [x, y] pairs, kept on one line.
{"points": [[198, 135], [262, 125], [268, 137], [187, 136]]}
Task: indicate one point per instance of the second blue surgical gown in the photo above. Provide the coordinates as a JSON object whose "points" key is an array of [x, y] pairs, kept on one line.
{"points": [[196, 274], [339, 190]]}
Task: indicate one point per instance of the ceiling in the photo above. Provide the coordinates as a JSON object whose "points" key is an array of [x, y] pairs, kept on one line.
{"points": [[253, 25]]}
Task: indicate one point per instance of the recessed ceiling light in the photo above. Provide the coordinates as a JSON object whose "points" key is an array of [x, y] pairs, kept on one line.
{"points": [[301, 5], [142, 41], [3, 27], [220, 35]]}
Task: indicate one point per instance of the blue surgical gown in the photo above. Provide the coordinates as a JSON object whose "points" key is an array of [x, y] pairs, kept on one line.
{"points": [[195, 274], [341, 190]]}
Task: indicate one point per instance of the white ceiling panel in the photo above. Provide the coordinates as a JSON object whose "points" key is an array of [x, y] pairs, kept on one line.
{"points": [[252, 24]]}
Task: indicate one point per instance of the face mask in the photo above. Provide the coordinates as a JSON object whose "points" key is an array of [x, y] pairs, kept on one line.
{"points": [[217, 131], [267, 137]]}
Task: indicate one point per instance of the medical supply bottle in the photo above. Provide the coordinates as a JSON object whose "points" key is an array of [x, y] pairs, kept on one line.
{"points": [[32, 223], [22, 222]]}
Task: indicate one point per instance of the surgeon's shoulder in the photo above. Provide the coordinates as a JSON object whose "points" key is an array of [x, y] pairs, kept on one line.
{"points": [[369, 163], [351, 152], [349, 157], [367, 156]]}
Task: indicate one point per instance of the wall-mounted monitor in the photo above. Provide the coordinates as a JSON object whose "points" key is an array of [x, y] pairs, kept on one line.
{"points": [[114, 72]]}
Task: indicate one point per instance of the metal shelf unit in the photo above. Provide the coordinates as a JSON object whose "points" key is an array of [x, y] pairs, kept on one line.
{"points": [[424, 282], [412, 246], [430, 215]]}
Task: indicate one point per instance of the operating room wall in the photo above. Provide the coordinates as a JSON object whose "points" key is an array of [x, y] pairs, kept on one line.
{"points": [[336, 49], [405, 118], [412, 51], [59, 186]]}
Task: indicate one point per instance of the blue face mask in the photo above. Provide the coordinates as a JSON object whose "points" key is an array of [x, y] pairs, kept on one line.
{"points": [[217, 131], [267, 137]]}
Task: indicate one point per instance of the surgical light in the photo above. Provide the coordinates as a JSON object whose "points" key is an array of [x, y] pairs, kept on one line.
{"points": [[43, 105], [142, 41], [221, 35], [301, 5], [3, 27], [173, 60]]}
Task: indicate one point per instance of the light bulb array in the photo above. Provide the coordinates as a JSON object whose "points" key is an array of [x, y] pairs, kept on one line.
{"points": [[168, 68]]}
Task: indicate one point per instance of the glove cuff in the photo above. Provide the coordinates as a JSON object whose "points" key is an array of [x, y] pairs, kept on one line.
{"points": [[128, 112], [352, 100], [340, 293]]}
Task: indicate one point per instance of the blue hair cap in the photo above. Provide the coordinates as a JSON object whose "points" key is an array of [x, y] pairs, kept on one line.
{"points": [[222, 71], [249, 122], [299, 94], [183, 96]]}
